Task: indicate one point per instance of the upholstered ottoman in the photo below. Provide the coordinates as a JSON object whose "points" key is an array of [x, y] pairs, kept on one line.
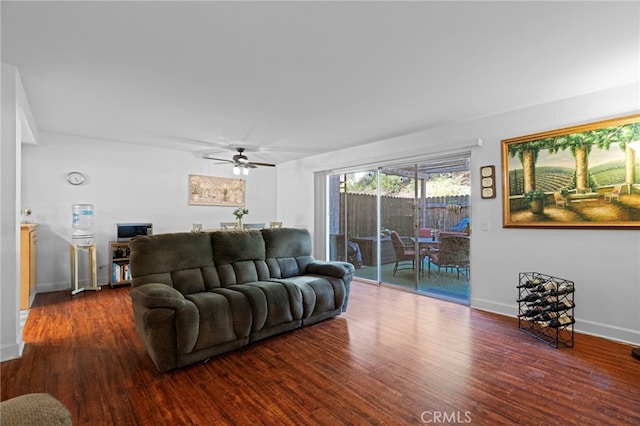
{"points": [[34, 409]]}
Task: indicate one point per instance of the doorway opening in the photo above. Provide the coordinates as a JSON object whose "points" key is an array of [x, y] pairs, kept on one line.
{"points": [[406, 225]]}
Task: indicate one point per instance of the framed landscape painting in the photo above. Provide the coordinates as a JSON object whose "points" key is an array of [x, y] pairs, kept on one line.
{"points": [[585, 176], [216, 191]]}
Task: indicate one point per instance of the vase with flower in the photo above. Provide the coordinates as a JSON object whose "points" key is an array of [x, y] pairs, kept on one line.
{"points": [[239, 214]]}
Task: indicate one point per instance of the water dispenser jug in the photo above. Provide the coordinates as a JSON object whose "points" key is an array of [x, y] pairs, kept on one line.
{"points": [[82, 223]]}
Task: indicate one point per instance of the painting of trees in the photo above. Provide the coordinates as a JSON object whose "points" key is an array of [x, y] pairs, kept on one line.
{"points": [[602, 154], [580, 145]]}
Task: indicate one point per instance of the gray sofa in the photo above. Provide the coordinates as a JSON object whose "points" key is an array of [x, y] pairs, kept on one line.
{"points": [[198, 295]]}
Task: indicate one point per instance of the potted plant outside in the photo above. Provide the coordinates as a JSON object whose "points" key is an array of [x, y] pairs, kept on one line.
{"points": [[534, 200]]}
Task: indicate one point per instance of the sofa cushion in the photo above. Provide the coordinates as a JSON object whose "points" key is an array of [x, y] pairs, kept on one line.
{"points": [[183, 261], [287, 242], [285, 267], [243, 272], [425, 232], [319, 294], [223, 316], [170, 252], [239, 257], [236, 246], [288, 251], [272, 303]]}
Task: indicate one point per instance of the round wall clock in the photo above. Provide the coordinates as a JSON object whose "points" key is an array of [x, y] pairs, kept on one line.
{"points": [[75, 178]]}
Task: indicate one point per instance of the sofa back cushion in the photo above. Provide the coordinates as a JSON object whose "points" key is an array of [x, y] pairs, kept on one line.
{"points": [[192, 262], [182, 260], [239, 257], [288, 251]]}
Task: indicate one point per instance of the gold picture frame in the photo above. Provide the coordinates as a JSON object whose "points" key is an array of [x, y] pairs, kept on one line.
{"points": [[216, 191], [585, 176]]}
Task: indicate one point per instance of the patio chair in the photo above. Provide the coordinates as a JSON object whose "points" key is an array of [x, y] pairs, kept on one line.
{"points": [[404, 254], [453, 252], [559, 199], [614, 194]]}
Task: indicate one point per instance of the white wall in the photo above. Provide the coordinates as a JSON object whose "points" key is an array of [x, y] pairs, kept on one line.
{"points": [[605, 264], [125, 183], [136, 183], [11, 337], [18, 126]]}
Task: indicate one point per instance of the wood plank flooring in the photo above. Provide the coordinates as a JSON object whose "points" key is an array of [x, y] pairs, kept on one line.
{"points": [[393, 358]]}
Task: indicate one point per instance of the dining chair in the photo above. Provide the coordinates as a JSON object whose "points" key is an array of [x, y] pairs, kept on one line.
{"points": [[404, 254], [247, 226], [228, 225]]}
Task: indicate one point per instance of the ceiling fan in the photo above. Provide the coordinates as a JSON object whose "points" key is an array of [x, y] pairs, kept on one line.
{"points": [[241, 163]]}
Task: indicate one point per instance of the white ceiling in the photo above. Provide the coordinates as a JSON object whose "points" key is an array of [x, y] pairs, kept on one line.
{"points": [[290, 79]]}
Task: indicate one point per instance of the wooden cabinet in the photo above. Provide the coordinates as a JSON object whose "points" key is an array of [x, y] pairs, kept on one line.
{"points": [[119, 256], [27, 264]]}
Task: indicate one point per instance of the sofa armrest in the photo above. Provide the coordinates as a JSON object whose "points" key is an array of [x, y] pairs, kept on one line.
{"points": [[155, 295], [331, 269]]}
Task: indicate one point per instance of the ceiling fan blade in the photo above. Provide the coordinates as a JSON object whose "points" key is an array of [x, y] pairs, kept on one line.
{"points": [[218, 159], [239, 160]]}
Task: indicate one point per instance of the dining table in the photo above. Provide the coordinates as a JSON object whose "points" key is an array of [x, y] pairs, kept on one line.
{"points": [[430, 243]]}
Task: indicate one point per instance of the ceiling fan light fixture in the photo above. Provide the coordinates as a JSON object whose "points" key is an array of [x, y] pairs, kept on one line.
{"points": [[241, 163]]}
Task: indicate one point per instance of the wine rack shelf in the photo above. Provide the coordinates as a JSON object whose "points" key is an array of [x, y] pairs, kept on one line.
{"points": [[546, 308]]}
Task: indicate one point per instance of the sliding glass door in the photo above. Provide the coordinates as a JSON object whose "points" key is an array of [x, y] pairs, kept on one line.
{"points": [[353, 221], [389, 223]]}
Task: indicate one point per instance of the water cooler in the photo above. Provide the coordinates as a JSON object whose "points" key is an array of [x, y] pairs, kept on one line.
{"points": [[82, 215], [82, 239]]}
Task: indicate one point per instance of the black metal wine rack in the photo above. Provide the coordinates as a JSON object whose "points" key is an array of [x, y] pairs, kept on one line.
{"points": [[546, 308]]}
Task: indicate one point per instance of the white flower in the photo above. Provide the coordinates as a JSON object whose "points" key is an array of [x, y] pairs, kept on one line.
{"points": [[239, 212]]}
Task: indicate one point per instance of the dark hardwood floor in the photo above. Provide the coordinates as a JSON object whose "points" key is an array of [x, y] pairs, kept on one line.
{"points": [[394, 358]]}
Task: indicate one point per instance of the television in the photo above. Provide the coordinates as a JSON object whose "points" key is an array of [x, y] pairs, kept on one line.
{"points": [[127, 231]]}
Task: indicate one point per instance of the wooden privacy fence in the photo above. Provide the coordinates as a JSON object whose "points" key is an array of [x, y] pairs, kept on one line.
{"points": [[397, 213]]}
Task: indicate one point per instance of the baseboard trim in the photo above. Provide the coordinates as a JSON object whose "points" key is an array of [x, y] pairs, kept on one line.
{"points": [[619, 334], [12, 351], [494, 307], [591, 328], [49, 287]]}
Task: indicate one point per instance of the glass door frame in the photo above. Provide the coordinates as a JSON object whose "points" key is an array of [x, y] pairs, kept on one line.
{"points": [[421, 170]]}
